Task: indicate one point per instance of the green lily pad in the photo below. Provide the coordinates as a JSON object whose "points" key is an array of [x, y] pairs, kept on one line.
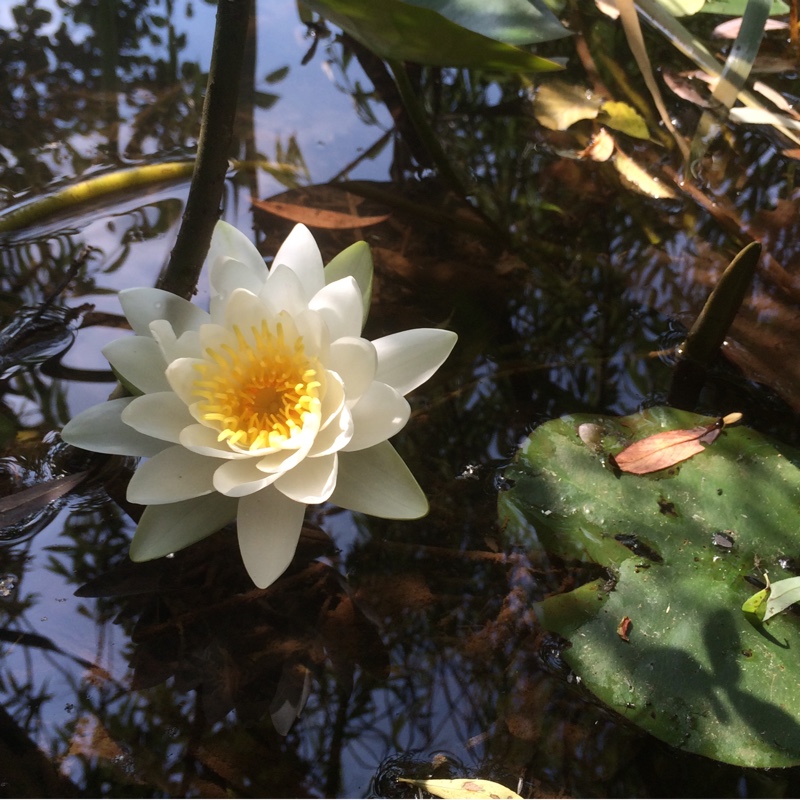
{"points": [[666, 644]]}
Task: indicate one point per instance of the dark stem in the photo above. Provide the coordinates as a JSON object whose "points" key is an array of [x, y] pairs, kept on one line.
{"points": [[711, 327], [216, 128]]}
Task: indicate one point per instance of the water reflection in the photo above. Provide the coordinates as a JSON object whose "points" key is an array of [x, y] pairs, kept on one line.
{"points": [[390, 648]]}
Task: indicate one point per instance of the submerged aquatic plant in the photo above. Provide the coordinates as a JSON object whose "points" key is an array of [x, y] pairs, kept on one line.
{"points": [[270, 401]]}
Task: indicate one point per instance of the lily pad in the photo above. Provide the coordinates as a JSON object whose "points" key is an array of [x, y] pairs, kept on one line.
{"points": [[666, 644]]}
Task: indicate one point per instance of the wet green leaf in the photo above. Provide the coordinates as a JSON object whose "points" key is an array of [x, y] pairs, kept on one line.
{"points": [[735, 8], [625, 118], [399, 31], [510, 21], [680, 543], [755, 607]]}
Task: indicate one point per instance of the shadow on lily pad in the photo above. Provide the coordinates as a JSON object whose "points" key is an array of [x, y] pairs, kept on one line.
{"points": [[666, 644]]}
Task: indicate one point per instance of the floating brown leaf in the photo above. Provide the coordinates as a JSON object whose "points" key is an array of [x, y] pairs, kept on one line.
{"points": [[92, 739], [665, 449], [317, 217]]}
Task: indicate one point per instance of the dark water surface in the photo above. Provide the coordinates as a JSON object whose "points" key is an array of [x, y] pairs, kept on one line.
{"points": [[411, 643]]}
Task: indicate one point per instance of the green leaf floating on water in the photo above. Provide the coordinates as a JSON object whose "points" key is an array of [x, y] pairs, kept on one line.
{"points": [[404, 32], [695, 672]]}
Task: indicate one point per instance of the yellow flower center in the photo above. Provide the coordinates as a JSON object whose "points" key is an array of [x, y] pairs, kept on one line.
{"points": [[258, 394]]}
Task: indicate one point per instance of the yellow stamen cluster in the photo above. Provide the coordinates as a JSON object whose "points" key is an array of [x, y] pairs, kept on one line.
{"points": [[258, 393]]}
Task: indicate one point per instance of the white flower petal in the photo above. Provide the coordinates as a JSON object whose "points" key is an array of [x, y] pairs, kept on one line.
{"points": [[246, 311], [170, 476], [311, 481], [187, 345], [165, 338], [139, 361], [181, 376], [336, 427], [242, 477], [334, 436], [268, 525], [407, 359], [234, 261], [300, 253], [333, 397], [355, 360], [102, 430], [284, 291], [316, 336], [216, 308], [214, 337], [378, 416], [378, 482], [339, 304], [162, 415], [284, 460], [228, 274], [165, 529], [203, 440], [356, 262], [143, 306]]}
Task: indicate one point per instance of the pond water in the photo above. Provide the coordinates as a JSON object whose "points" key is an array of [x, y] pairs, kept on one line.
{"points": [[408, 647]]}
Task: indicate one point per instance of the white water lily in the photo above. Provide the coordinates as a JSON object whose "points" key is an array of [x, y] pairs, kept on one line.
{"points": [[268, 402]]}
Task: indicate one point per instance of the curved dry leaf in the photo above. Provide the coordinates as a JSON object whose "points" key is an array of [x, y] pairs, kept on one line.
{"points": [[600, 148], [782, 594], [665, 449], [558, 104], [640, 180], [317, 217], [687, 86], [463, 787], [730, 28]]}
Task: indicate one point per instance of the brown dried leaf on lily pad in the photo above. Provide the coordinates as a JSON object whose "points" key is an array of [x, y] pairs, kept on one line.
{"points": [[665, 449]]}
